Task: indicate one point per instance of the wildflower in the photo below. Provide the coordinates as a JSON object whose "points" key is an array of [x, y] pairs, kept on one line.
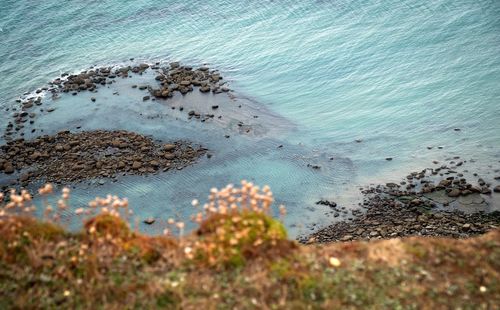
{"points": [[26, 195], [46, 189], [222, 209], [189, 252], [166, 231], [61, 204], [180, 225], [171, 221], [483, 289], [67, 293], [79, 211], [199, 217], [335, 262], [195, 202], [282, 210]]}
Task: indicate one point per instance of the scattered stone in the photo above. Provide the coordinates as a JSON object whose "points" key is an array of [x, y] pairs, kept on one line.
{"points": [[415, 209], [171, 78], [331, 204], [316, 167]]}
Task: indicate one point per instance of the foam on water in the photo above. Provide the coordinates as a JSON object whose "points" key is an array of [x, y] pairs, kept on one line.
{"points": [[400, 75]]}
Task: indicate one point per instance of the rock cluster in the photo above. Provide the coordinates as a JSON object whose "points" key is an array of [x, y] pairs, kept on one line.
{"points": [[386, 217], [184, 78], [172, 78], [419, 205], [88, 80], [70, 157], [454, 184]]}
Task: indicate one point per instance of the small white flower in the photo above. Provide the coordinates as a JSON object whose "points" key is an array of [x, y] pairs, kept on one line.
{"points": [[335, 262], [79, 211]]}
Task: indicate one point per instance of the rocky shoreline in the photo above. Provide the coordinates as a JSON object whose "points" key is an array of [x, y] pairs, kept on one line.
{"points": [[170, 79], [432, 202], [74, 157]]}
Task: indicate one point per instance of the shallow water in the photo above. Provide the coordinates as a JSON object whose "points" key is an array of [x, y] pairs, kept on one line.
{"points": [[400, 75]]}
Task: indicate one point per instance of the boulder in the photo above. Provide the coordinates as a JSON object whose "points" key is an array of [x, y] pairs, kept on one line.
{"points": [[8, 168], [455, 192], [169, 147], [136, 165]]}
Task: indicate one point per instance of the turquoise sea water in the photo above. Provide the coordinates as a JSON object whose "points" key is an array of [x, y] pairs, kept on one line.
{"points": [[400, 75]]}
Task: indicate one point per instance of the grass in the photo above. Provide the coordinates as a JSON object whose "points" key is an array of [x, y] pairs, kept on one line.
{"points": [[238, 258]]}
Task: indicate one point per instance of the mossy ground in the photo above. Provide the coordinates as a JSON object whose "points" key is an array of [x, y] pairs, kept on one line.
{"points": [[42, 266]]}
